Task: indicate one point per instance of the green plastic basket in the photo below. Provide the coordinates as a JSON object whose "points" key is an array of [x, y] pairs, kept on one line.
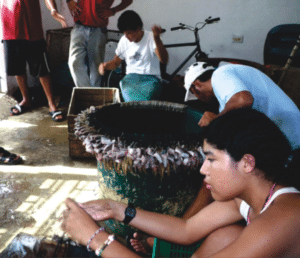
{"points": [[163, 249]]}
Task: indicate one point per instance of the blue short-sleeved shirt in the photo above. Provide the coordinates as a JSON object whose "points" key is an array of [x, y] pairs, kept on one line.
{"points": [[268, 97]]}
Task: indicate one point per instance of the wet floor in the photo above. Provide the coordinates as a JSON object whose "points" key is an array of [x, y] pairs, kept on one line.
{"points": [[32, 194]]}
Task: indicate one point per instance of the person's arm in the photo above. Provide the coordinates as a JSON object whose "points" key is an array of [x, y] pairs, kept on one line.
{"points": [[104, 14], [202, 200], [81, 227], [160, 50], [51, 5], [166, 227], [242, 99], [275, 233], [111, 65]]}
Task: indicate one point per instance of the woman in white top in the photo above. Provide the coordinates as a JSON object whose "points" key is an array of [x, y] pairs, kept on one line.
{"points": [[252, 175]]}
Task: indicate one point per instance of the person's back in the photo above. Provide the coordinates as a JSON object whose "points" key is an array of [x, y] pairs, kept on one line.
{"points": [[268, 97]]}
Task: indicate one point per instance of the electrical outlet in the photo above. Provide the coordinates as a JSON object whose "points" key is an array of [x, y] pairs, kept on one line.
{"points": [[237, 39]]}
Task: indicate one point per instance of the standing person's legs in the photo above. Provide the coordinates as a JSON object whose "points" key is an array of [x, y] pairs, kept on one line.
{"points": [[46, 83], [22, 83], [38, 65], [17, 53], [78, 55], [15, 64], [96, 51]]}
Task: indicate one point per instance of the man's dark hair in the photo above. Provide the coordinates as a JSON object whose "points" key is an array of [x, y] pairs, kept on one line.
{"points": [[205, 76], [129, 20], [247, 131]]}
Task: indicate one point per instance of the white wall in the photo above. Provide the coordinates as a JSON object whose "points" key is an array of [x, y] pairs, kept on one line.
{"points": [[48, 22], [252, 19]]}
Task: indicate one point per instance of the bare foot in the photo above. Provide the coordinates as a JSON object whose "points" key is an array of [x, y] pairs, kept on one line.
{"points": [[142, 243]]}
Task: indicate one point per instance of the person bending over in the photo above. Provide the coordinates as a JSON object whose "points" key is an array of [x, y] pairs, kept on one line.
{"points": [[238, 86], [143, 51], [252, 174]]}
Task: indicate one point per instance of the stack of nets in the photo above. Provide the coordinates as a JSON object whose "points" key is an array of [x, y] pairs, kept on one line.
{"points": [[140, 136]]}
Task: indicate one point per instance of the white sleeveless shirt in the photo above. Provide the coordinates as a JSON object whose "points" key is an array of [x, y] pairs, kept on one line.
{"points": [[244, 207]]}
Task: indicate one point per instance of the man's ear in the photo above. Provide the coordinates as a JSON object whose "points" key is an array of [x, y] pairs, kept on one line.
{"points": [[248, 163]]}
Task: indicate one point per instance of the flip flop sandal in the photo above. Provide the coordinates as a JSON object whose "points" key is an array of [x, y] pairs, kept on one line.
{"points": [[144, 243], [8, 158], [54, 114], [21, 110]]}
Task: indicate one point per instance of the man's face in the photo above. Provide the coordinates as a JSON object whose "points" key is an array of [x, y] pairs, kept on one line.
{"points": [[203, 91], [133, 35]]}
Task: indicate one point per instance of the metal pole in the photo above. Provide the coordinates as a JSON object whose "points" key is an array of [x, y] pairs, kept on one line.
{"points": [[289, 61]]}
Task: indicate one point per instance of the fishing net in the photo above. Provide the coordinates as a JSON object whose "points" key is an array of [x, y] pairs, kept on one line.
{"points": [[143, 135]]}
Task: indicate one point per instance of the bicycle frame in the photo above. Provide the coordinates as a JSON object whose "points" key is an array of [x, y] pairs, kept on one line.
{"points": [[187, 59], [200, 53]]}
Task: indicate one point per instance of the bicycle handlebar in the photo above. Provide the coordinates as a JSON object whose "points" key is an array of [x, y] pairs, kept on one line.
{"points": [[209, 21], [177, 28]]}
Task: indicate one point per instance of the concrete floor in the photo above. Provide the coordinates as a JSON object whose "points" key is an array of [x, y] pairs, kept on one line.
{"points": [[32, 194]]}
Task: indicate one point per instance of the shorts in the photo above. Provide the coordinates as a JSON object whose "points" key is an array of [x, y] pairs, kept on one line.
{"points": [[20, 52]]}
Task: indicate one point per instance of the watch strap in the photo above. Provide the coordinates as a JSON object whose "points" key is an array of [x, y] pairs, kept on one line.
{"points": [[130, 213]]}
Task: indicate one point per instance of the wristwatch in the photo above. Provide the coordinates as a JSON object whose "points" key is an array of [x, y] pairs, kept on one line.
{"points": [[130, 213]]}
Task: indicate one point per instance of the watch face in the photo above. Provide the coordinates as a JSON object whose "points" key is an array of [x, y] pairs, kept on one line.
{"points": [[130, 212]]}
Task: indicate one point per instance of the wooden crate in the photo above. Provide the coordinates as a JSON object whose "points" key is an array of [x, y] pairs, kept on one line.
{"points": [[83, 98]]}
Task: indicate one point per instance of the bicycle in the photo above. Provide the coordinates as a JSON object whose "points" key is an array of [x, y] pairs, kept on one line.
{"points": [[199, 54]]}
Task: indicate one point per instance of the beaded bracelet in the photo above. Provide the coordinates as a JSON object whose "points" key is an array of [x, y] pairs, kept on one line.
{"points": [[107, 242], [89, 242]]}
